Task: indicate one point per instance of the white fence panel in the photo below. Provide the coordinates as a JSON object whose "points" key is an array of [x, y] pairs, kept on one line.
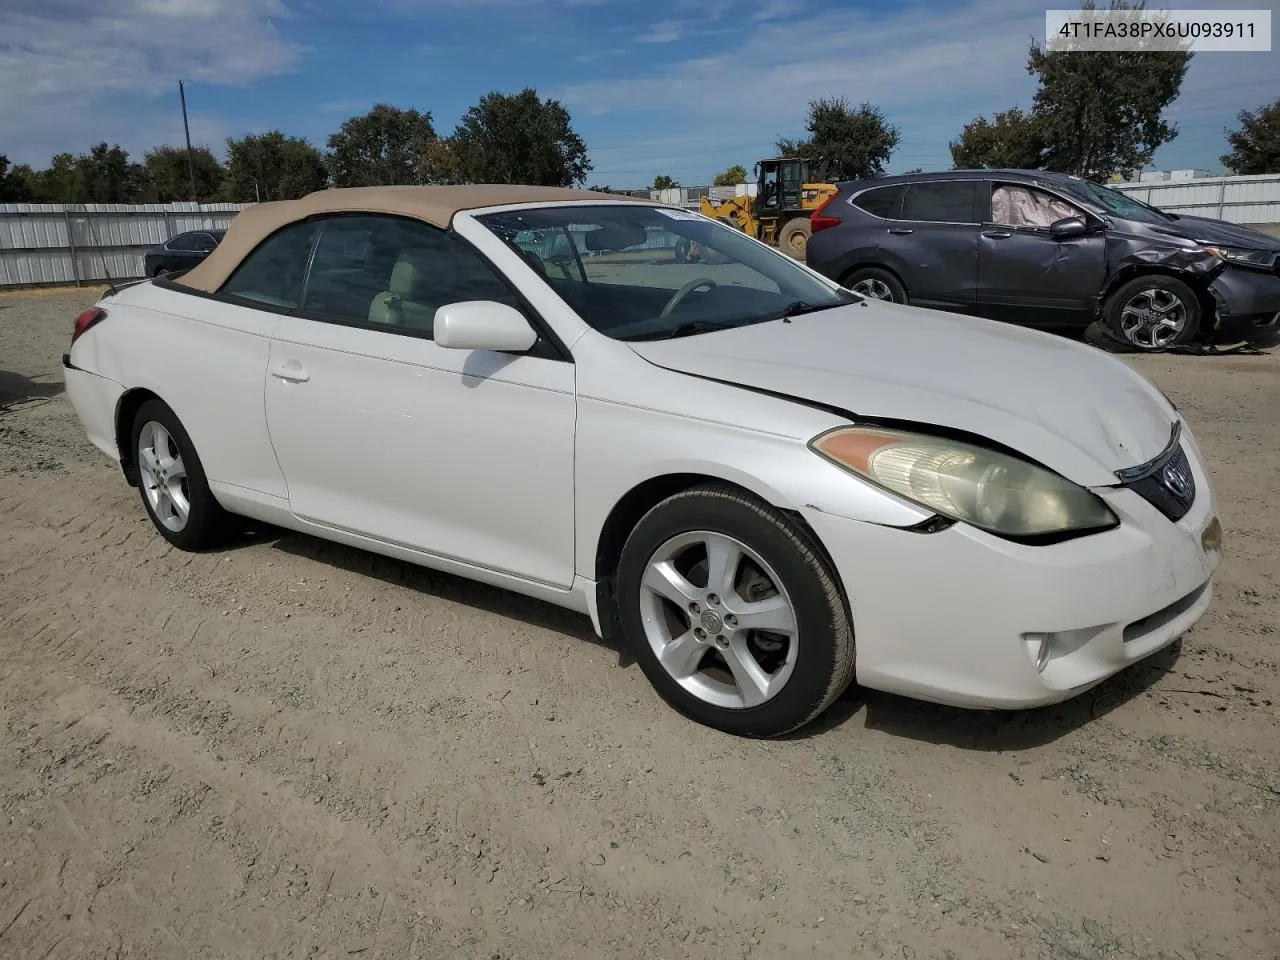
{"points": [[1246, 200], [47, 243]]}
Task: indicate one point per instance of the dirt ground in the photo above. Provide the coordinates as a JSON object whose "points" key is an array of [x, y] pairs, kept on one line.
{"points": [[294, 749]]}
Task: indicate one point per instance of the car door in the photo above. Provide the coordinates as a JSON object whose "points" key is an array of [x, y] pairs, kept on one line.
{"points": [[1026, 274], [380, 432], [933, 243]]}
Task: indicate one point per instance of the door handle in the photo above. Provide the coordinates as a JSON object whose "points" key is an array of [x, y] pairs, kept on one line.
{"points": [[997, 234], [900, 231], [290, 371]]}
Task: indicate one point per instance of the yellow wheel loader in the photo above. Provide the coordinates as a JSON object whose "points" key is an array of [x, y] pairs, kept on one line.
{"points": [[779, 212]]}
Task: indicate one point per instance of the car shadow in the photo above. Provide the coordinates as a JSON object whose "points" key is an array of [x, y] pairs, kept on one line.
{"points": [[993, 730], [20, 391], [445, 586]]}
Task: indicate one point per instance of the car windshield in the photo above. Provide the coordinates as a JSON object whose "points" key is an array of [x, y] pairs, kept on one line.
{"points": [[637, 272], [1121, 204]]}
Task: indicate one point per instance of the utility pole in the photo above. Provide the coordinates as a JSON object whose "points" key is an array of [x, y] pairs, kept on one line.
{"points": [[191, 167]]}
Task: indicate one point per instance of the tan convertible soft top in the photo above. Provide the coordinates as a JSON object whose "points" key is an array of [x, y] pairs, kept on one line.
{"points": [[435, 205]]}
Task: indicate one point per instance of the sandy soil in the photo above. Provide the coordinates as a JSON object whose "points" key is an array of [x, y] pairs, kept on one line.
{"points": [[292, 749]]}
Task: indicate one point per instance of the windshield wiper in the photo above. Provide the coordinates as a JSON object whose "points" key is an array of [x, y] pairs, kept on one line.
{"points": [[686, 329], [797, 307]]}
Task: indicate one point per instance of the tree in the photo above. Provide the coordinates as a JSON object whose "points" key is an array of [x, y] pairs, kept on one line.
{"points": [[1255, 147], [734, 175], [520, 138], [167, 178], [18, 184], [271, 166], [383, 147], [663, 182], [844, 143], [1011, 140], [787, 147], [440, 163], [105, 175], [1102, 112]]}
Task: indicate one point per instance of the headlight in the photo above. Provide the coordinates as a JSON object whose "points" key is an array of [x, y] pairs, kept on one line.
{"points": [[1243, 255], [993, 491]]}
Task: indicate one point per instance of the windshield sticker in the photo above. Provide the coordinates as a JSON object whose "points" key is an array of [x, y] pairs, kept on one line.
{"points": [[678, 214]]}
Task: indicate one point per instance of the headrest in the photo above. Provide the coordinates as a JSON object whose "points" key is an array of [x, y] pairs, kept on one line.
{"points": [[408, 271]]}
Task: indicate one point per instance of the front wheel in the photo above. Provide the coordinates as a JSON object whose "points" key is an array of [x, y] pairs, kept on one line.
{"points": [[794, 239], [1152, 313], [732, 613]]}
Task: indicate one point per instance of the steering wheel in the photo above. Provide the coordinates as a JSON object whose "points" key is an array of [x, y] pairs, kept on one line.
{"points": [[684, 291]]}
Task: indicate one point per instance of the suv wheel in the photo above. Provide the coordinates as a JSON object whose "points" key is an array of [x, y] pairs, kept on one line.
{"points": [[875, 284], [1153, 313]]}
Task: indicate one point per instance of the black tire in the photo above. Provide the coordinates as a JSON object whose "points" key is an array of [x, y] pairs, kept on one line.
{"points": [[1154, 291], [794, 238], [159, 272], [207, 524], [824, 652], [875, 279]]}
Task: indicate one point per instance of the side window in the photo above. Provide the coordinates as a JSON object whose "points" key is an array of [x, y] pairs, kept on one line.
{"points": [[940, 201], [883, 202], [204, 243], [183, 242], [1026, 208], [273, 272], [392, 272]]}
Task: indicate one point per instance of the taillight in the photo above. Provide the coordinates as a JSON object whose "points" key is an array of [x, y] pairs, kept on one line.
{"points": [[90, 318], [820, 219]]}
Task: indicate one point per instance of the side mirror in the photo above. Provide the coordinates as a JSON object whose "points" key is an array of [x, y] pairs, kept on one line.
{"points": [[1068, 227], [483, 325]]}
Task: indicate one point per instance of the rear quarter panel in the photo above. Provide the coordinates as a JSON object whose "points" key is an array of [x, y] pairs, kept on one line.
{"points": [[207, 360]]}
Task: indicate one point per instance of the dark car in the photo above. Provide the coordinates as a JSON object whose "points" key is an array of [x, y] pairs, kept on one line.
{"points": [[181, 252], [1049, 250]]}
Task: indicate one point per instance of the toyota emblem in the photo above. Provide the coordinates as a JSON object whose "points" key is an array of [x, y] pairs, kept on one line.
{"points": [[1175, 480]]}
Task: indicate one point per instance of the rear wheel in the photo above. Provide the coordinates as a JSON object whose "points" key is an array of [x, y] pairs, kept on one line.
{"points": [[875, 284], [732, 613], [794, 239], [1153, 313], [175, 491]]}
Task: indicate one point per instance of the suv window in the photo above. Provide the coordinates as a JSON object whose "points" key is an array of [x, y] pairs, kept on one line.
{"points": [[1025, 207], [883, 202], [940, 201], [185, 242], [273, 273], [389, 272]]}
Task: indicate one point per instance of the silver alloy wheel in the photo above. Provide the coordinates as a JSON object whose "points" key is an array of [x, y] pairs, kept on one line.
{"points": [[163, 476], [711, 639], [1153, 318], [873, 288]]}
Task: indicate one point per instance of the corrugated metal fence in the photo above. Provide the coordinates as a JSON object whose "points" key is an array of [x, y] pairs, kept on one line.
{"points": [[1246, 200], [47, 243]]}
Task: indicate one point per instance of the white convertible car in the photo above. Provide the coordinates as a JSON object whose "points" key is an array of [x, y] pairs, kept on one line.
{"points": [[764, 486]]}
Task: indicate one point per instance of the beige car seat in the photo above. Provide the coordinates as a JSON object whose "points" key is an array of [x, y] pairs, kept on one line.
{"points": [[403, 305]]}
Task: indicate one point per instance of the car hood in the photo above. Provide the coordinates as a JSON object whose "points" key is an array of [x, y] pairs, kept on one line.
{"points": [[1069, 406], [1208, 230]]}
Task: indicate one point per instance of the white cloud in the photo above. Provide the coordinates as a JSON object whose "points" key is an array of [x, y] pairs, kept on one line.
{"points": [[61, 60], [667, 31]]}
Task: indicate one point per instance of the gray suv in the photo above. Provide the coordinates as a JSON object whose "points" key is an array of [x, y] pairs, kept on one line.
{"points": [[1049, 250]]}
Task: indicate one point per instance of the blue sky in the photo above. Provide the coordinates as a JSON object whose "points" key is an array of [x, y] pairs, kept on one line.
{"points": [[682, 87]]}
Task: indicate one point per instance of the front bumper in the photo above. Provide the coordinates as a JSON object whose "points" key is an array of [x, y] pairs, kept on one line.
{"points": [[942, 616], [1248, 304]]}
